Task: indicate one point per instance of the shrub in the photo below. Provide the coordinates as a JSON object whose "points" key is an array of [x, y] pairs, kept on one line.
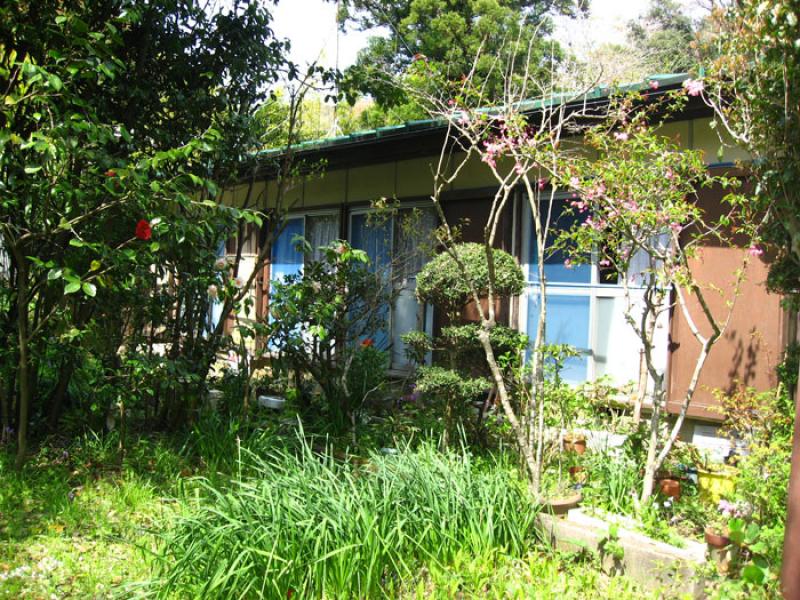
{"points": [[308, 525], [442, 283]]}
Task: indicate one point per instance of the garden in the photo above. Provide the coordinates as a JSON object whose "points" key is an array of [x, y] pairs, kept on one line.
{"points": [[183, 416]]}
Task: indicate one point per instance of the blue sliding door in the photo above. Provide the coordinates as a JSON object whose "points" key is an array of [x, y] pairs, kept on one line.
{"points": [[375, 238], [286, 258], [567, 322]]}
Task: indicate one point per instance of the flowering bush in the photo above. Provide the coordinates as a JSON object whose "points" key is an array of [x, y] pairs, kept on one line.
{"points": [[323, 323], [638, 201]]}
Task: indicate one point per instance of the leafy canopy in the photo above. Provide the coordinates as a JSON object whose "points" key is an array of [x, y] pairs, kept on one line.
{"points": [[450, 36]]}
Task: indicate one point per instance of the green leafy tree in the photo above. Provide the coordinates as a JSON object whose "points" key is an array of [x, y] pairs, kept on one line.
{"points": [[110, 224], [754, 87], [449, 36], [664, 38]]}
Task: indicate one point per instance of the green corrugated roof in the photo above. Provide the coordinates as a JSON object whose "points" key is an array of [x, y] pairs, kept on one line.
{"points": [[663, 79]]}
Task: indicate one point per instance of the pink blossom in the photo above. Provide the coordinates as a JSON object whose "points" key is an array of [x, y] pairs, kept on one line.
{"points": [[755, 251], [213, 291], [541, 183], [653, 83], [676, 227], [237, 282], [605, 263], [568, 264], [669, 174], [621, 136], [574, 182], [519, 169], [693, 87]]}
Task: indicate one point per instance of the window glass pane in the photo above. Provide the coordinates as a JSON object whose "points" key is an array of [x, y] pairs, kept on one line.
{"points": [[605, 311], [567, 323], [554, 269], [375, 238], [286, 258], [616, 347], [413, 238], [321, 230]]}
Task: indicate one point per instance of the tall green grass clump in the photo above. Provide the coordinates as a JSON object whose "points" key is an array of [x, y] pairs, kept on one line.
{"points": [[303, 523]]}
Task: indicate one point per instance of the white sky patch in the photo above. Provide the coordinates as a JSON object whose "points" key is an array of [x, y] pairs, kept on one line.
{"points": [[311, 27]]}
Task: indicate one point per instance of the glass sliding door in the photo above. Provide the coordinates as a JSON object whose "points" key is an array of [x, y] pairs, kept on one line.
{"points": [[287, 259], [585, 308], [374, 236], [397, 247], [413, 233]]}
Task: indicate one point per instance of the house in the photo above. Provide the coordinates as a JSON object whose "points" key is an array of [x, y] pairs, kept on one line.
{"points": [[585, 307]]}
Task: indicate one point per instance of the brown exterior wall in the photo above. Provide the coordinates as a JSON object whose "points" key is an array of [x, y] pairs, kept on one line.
{"points": [[753, 344]]}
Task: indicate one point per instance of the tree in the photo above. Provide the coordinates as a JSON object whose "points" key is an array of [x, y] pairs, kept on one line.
{"points": [[521, 151], [449, 35], [754, 87], [109, 218], [638, 199], [664, 38]]}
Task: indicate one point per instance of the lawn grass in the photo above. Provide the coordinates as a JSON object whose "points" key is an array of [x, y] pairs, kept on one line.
{"points": [[78, 522]]}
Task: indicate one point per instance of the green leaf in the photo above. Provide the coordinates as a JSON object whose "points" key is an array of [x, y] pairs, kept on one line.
{"points": [[72, 287], [754, 574], [76, 243], [31, 170], [154, 247], [89, 289], [54, 274]]}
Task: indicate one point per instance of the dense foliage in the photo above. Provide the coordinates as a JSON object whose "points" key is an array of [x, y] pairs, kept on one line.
{"points": [[308, 524], [441, 281], [323, 324], [452, 38], [111, 170]]}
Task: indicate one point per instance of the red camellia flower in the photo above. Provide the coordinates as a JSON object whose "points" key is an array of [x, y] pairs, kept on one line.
{"points": [[367, 343], [143, 230], [111, 173]]}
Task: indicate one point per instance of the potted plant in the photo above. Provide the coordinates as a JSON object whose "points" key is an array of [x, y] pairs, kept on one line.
{"points": [[578, 474], [670, 486], [716, 536], [574, 442], [561, 498]]}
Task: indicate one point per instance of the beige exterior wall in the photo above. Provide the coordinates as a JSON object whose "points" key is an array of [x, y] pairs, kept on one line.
{"points": [[414, 177]]}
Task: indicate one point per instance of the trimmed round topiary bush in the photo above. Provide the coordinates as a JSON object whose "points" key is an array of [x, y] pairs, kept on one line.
{"points": [[442, 283]]}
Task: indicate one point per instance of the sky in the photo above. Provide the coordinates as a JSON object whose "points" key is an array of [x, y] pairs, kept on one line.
{"points": [[311, 27]]}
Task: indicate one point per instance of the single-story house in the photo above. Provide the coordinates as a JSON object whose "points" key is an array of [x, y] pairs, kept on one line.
{"points": [[585, 307]]}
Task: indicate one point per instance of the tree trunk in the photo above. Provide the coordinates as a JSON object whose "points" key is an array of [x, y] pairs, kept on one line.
{"points": [[651, 466], [790, 571], [23, 371], [505, 401], [60, 391]]}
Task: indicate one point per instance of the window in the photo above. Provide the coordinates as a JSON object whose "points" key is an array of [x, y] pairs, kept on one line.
{"points": [[585, 308], [398, 246]]}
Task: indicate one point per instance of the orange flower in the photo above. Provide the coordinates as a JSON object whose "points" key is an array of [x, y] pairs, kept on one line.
{"points": [[367, 343]]}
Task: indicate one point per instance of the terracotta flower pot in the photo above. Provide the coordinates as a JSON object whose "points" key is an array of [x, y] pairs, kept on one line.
{"points": [[670, 487], [715, 539], [574, 443]]}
